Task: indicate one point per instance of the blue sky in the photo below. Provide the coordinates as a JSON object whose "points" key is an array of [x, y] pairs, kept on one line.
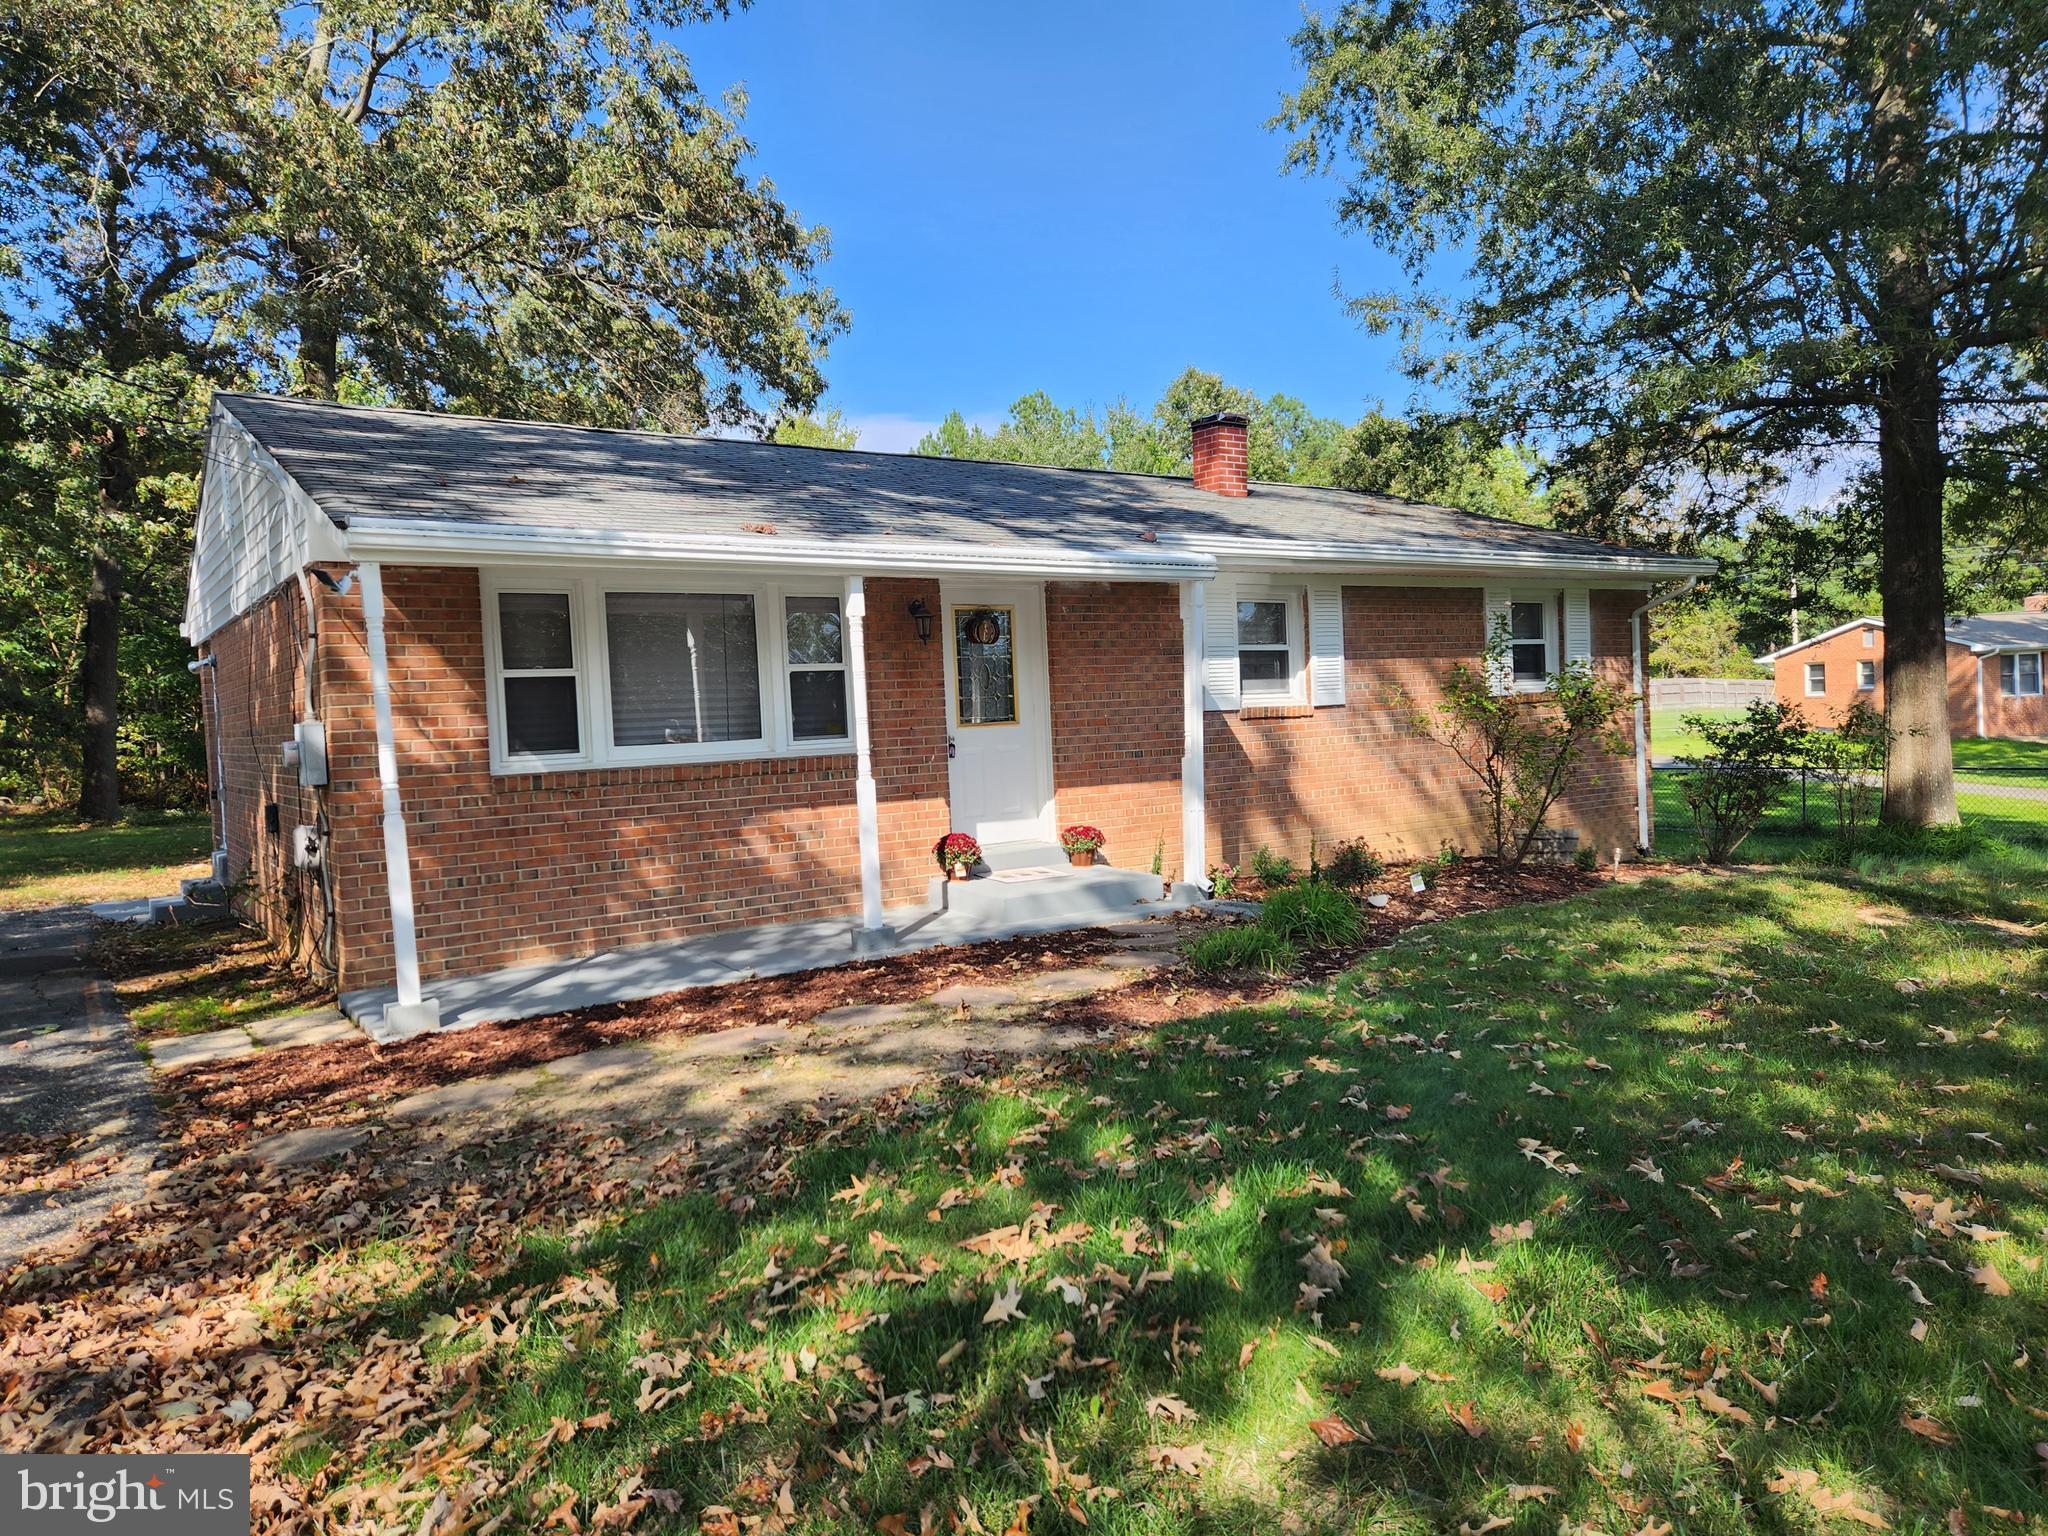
{"points": [[1077, 198]]}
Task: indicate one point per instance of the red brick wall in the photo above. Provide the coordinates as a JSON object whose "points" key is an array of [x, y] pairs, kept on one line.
{"points": [[907, 726], [1113, 654], [1839, 654], [1277, 776], [513, 869], [2003, 715], [258, 680]]}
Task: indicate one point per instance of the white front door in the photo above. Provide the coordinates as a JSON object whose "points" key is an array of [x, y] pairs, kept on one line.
{"points": [[998, 726]]}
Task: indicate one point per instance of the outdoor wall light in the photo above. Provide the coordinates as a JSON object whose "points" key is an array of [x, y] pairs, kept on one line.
{"points": [[921, 615]]}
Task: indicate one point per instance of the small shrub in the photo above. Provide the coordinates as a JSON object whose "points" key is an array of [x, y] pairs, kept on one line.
{"points": [[1586, 859], [1252, 947], [1353, 865], [1447, 854], [1850, 759], [1733, 783], [1273, 869], [1223, 881], [1311, 916]]}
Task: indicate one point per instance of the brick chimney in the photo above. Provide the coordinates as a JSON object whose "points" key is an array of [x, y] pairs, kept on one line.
{"points": [[1220, 462], [2035, 602]]}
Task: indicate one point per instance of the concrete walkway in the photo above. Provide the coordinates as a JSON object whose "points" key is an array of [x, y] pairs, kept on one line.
{"points": [[719, 1085], [68, 1067]]}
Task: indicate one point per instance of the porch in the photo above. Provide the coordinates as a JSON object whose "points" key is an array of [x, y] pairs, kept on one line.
{"points": [[1021, 888]]}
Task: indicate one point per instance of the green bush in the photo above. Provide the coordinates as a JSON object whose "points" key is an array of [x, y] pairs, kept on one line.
{"points": [[1353, 864], [1273, 869], [1586, 858], [1311, 916], [1252, 947], [1447, 854]]}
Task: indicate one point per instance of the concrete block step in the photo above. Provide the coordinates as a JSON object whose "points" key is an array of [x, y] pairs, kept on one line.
{"points": [[1078, 896]]}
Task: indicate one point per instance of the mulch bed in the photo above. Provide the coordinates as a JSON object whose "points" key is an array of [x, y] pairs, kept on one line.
{"points": [[222, 1104]]}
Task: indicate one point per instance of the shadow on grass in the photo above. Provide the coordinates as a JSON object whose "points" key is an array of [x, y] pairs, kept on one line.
{"points": [[1700, 1094]]}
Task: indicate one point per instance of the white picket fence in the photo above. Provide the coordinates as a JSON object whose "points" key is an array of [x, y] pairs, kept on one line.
{"points": [[1707, 692]]}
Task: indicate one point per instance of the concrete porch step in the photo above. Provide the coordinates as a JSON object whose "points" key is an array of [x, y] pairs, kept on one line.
{"points": [[1066, 894]]}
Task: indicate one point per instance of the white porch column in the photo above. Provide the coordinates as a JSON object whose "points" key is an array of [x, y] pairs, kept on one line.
{"points": [[1194, 820], [411, 1014], [874, 933]]}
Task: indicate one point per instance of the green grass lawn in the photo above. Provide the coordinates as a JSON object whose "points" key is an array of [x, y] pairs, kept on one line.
{"points": [[1794, 829], [1692, 1205], [2021, 762], [50, 858], [182, 978], [1669, 736]]}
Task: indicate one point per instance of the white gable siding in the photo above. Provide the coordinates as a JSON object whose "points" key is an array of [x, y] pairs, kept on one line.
{"points": [[254, 530]]}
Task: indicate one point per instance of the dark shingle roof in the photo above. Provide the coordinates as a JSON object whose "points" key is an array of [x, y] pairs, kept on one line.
{"points": [[468, 472]]}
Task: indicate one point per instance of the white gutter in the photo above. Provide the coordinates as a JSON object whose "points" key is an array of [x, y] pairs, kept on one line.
{"points": [[1635, 661], [413, 540], [1267, 554], [411, 1014]]}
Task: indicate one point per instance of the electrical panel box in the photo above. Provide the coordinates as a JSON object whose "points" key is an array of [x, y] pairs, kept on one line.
{"points": [[309, 738], [306, 848]]}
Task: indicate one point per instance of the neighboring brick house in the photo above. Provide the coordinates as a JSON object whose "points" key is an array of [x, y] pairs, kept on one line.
{"points": [[551, 692], [1995, 665]]}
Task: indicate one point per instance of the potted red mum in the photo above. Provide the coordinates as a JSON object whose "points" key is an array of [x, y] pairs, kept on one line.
{"points": [[1081, 841], [957, 853]]}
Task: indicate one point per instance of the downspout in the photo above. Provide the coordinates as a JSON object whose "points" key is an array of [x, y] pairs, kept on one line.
{"points": [[411, 1014], [1980, 698], [1635, 662]]}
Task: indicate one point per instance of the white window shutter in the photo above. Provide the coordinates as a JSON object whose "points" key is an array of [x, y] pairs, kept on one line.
{"points": [[1578, 625], [1325, 643], [1501, 670], [1219, 658]]}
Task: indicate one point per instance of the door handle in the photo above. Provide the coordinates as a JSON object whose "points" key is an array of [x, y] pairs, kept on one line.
{"points": [[952, 748]]}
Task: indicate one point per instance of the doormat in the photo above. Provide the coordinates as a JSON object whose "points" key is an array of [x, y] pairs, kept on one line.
{"points": [[1034, 872]]}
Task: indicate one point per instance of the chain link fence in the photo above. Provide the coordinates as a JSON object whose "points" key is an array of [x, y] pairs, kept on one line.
{"points": [[2001, 789]]}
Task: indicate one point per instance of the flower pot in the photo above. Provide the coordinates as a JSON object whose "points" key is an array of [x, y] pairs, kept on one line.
{"points": [[958, 872], [1081, 858]]}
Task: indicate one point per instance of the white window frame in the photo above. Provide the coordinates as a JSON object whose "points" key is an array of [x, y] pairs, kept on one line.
{"points": [[1869, 638], [787, 703], [1866, 669], [1811, 691], [1294, 600], [2019, 690], [590, 644], [1548, 603], [503, 760]]}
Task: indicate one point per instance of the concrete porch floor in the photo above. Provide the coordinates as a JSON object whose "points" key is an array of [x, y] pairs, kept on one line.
{"points": [[981, 910]]}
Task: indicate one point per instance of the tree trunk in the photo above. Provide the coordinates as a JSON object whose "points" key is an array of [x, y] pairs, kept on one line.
{"points": [[99, 689], [319, 356], [1919, 774]]}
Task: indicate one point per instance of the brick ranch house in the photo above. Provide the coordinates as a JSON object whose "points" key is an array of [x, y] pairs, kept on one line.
{"points": [[1994, 671], [488, 694]]}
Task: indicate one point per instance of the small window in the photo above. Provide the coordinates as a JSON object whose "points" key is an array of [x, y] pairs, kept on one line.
{"points": [[1268, 645], [1529, 644], [684, 668], [537, 646], [1869, 638], [1866, 676], [815, 646], [1816, 679], [986, 662], [2020, 676]]}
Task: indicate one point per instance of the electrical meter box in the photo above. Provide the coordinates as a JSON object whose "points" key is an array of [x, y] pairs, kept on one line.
{"points": [[309, 737]]}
